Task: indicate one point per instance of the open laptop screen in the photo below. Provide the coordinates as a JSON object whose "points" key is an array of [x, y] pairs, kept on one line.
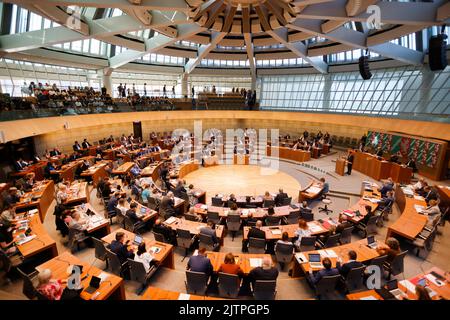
{"points": [[314, 257]]}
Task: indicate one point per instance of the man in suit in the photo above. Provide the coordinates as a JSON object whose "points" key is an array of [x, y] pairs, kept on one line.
{"points": [[180, 190], [20, 164], [210, 230], [350, 159], [76, 146], [12, 197], [429, 194], [167, 232], [112, 203], [266, 272], [325, 272], [85, 144], [344, 223], [55, 152], [279, 198], [254, 232], [120, 247], [379, 152], [167, 205], [345, 268], [200, 263], [388, 185]]}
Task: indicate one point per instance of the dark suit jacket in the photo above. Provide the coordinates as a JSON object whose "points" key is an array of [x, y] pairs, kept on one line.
{"points": [[259, 273], [165, 231], [86, 145], [210, 232], [342, 226], [133, 216], [76, 147], [324, 273], [200, 263], [256, 233], [280, 197], [346, 267], [121, 250], [180, 192], [167, 207]]}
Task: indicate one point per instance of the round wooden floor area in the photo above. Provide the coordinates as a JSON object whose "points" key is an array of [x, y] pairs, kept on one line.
{"points": [[242, 180]]}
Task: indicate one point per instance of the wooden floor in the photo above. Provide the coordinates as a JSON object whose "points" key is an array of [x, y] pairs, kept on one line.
{"points": [[242, 180]]}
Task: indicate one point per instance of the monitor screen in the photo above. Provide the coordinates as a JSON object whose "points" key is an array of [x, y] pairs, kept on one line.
{"points": [[370, 239], [314, 257], [138, 239]]}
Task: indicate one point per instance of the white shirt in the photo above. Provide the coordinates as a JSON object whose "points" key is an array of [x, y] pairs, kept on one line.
{"points": [[145, 258], [301, 233]]}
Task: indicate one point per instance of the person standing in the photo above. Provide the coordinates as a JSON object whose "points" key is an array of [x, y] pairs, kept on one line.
{"points": [[350, 159]]}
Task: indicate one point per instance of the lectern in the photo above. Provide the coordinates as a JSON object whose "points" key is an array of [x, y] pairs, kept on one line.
{"points": [[340, 166]]}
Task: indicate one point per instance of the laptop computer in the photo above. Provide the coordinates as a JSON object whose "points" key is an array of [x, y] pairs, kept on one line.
{"points": [[314, 261], [94, 284], [371, 242], [137, 239], [392, 287]]}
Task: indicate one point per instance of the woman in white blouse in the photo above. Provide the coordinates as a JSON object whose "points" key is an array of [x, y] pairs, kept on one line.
{"points": [[302, 231], [143, 256]]}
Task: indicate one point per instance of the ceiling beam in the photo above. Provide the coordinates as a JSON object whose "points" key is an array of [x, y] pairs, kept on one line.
{"points": [[203, 51], [154, 44], [299, 48], [250, 53]]}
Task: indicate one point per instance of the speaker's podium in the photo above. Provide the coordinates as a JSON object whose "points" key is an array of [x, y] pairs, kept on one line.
{"points": [[340, 166]]}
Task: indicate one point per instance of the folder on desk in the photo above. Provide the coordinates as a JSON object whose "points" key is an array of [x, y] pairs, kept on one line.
{"points": [[255, 262], [170, 220], [276, 231]]}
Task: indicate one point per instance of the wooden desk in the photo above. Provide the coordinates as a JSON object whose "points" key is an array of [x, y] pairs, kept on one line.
{"points": [[41, 197], [209, 161], [124, 168], [289, 154], [410, 223], [275, 232], [443, 292], [164, 257], [194, 227], [241, 159], [444, 195], [145, 213], [98, 225], [78, 193], [369, 165], [401, 173], [364, 294], [152, 171], [112, 288], [364, 254], [37, 169], [340, 166], [96, 172], [241, 259], [316, 152], [67, 171], [361, 206], [258, 213], [326, 148], [42, 244], [153, 293], [313, 191], [185, 168]]}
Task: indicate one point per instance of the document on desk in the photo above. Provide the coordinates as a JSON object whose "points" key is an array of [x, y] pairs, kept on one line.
{"points": [[368, 298], [323, 253], [408, 191], [331, 253], [313, 190], [314, 227], [419, 208], [420, 198], [255, 262], [25, 240], [170, 220], [276, 231], [184, 296], [408, 285], [103, 276], [433, 279]]}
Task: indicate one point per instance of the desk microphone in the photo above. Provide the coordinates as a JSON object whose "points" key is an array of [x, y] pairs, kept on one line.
{"points": [[42, 242]]}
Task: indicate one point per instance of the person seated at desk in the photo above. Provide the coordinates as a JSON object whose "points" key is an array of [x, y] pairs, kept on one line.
{"points": [[429, 194], [77, 222], [280, 197], [55, 152], [7, 242], [135, 170], [266, 272], [20, 164], [229, 266], [392, 250], [305, 208], [302, 231], [422, 293], [387, 201], [419, 185], [325, 272], [343, 224], [193, 200], [106, 192], [345, 268], [395, 157], [387, 186], [76, 146], [192, 213], [167, 205], [166, 231], [101, 183], [432, 212], [284, 240], [123, 206], [233, 210], [144, 257], [369, 214], [50, 288], [210, 230], [85, 144], [231, 200], [120, 247], [131, 213], [112, 202], [379, 152], [200, 263], [267, 196], [8, 215], [110, 139], [48, 171], [12, 197], [254, 232], [325, 186], [180, 190], [146, 193]]}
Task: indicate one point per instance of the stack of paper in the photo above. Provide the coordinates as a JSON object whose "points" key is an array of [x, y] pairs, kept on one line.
{"points": [[419, 208], [170, 220], [276, 231], [408, 285], [314, 228], [25, 240], [419, 198], [313, 189], [331, 253], [103, 276]]}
